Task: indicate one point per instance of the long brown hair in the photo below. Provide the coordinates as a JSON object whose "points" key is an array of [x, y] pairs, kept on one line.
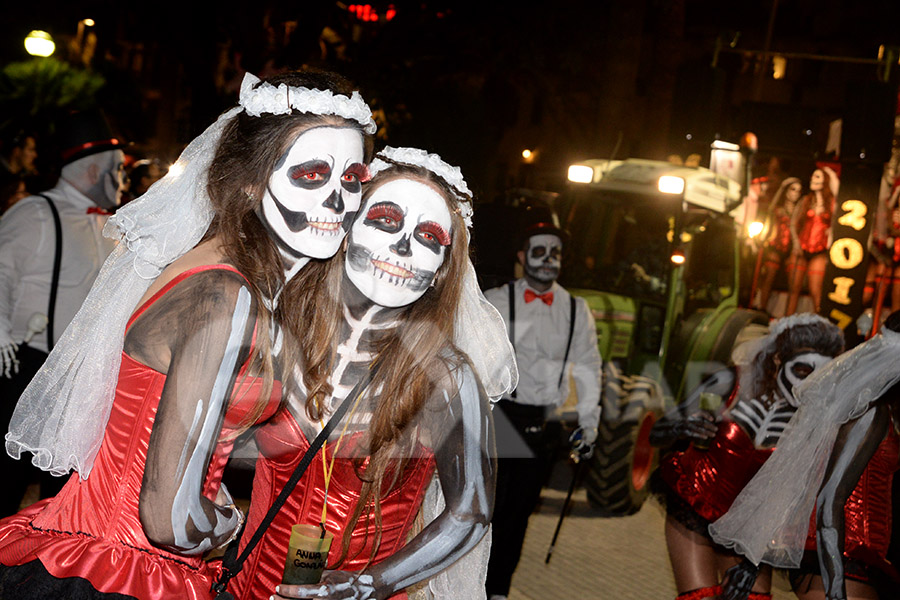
{"points": [[417, 355], [244, 161]]}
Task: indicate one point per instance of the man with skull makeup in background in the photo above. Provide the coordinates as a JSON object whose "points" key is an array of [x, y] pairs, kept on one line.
{"points": [[555, 338], [89, 187]]}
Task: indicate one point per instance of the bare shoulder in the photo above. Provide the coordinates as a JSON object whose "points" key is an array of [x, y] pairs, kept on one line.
{"points": [[205, 253]]}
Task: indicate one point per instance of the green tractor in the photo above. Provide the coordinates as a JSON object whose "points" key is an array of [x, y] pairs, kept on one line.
{"points": [[654, 251]]}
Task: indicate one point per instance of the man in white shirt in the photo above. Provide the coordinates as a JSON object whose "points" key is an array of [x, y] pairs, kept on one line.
{"points": [[555, 337], [33, 248]]}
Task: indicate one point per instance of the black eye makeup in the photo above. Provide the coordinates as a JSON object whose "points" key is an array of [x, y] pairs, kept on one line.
{"points": [[385, 216], [310, 175], [354, 176], [802, 370], [432, 235]]}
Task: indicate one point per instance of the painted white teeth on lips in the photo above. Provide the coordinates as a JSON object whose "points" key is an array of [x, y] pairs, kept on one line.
{"points": [[325, 225], [392, 269]]}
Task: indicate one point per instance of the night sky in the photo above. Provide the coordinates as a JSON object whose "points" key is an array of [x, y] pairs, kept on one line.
{"points": [[476, 82]]}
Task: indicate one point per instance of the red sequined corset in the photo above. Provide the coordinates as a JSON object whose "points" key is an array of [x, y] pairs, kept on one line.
{"points": [[92, 528], [781, 241], [814, 233], [867, 513], [709, 480], [282, 445]]}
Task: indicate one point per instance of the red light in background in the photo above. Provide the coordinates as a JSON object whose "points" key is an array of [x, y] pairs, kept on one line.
{"points": [[365, 12]]}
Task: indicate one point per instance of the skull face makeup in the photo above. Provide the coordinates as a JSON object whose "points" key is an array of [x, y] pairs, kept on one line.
{"points": [[315, 191], [795, 370], [399, 242], [543, 257]]}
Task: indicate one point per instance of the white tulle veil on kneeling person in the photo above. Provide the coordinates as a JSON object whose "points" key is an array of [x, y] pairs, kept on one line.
{"points": [[769, 520]]}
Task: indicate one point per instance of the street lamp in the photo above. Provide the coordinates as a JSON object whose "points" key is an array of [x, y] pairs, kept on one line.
{"points": [[755, 228], [39, 43]]}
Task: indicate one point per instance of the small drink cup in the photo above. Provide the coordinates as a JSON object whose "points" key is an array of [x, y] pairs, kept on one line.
{"points": [[710, 403], [307, 554]]}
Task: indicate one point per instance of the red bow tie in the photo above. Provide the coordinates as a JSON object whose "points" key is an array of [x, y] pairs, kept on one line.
{"points": [[546, 297], [97, 210]]}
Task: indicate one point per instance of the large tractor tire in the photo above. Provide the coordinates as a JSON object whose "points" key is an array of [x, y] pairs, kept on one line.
{"points": [[617, 476], [618, 472], [743, 324]]}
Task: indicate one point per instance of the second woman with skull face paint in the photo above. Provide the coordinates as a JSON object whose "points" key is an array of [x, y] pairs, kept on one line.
{"points": [[698, 486], [203, 351], [401, 284]]}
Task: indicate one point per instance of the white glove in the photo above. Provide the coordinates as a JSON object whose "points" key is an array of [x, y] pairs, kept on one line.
{"points": [[9, 364], [36, 324], [582, 440]]}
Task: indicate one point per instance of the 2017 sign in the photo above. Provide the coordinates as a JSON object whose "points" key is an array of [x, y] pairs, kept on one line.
{"points": [[848, 255]]}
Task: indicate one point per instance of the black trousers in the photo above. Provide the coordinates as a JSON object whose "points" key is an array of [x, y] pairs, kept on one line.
{"points": [[17, 474], [520, 477]]}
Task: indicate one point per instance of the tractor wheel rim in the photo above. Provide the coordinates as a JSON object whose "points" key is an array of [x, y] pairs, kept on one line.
{"points": [[642, 462]]}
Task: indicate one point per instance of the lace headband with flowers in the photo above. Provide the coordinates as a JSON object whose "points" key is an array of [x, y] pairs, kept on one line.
{"points": [[451, 175], [266, 98]]}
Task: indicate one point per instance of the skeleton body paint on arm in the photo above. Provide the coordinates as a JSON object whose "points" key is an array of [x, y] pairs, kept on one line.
{"points": [[460, 428], [397, 247], [462, 432], [199, 334], [856, 443]]}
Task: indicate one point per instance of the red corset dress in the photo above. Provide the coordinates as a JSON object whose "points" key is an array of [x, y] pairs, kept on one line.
{"points": [[92, 529], [282, 445], [709, 480], [781, 241], [814, 233], [867, 513]]}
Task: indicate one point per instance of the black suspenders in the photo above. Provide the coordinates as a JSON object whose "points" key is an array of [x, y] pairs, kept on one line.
{"points": [[512, 328], [569, 342], [54, 284]]}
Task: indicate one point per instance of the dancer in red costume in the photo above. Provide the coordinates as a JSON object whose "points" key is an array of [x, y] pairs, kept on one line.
{"points": [[837, 464], [776, 251], [885, 248], [210, 268], [811, 232], [699, 485], [405, 268]]}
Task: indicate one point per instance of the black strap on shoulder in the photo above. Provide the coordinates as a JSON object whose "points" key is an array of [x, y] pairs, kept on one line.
{"points": [[512, 320], [569, 342], [54, 285], [231, 566]]}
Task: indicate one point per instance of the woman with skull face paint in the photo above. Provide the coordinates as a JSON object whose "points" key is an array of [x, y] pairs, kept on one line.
{"points": [[191, 351], [699, 485], [402, 280]]}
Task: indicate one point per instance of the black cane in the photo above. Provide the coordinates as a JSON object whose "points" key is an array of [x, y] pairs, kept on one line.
{"points": [[562, 515]]}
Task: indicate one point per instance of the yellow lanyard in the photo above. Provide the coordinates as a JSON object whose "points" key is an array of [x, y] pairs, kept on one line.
{"points": [[327, 469]]}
